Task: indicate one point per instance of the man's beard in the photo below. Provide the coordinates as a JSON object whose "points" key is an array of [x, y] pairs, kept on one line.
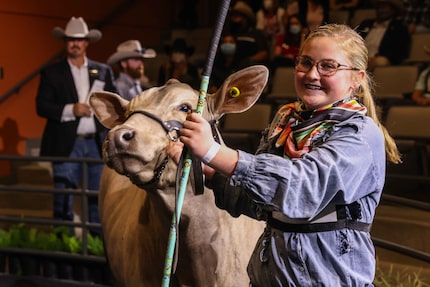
{"points": [[74, 52], [134, 73]]}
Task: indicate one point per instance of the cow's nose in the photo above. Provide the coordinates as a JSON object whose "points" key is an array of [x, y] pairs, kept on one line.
{"points": [[123, 137], [127, 135]]}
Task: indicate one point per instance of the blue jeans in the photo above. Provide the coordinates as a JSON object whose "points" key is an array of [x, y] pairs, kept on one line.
{"points": [[70, 175]]}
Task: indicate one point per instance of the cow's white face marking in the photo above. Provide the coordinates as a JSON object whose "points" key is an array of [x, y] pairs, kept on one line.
{"points": [[136, 148]]}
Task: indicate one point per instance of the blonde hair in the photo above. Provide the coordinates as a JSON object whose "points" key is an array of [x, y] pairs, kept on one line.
{"points": [[354, 48]]}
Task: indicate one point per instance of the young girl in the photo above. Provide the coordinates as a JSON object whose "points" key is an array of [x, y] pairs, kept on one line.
{"points": [[318, 174]]}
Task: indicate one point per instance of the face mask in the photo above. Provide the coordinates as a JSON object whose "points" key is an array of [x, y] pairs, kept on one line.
{"points": [[177, 57], [268, 4], [295, 29], [228, 48]]}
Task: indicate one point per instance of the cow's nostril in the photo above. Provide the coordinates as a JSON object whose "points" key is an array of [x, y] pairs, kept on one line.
{"points": [[127, 135], [122, 138]]}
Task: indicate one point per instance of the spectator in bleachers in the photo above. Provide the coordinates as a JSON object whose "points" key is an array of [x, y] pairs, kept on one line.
{"points": [[291, 7], [343, 4], [178, 65], [417, 16], [349, 5], [386, 36], [251, 44], [188, 15], [314, 13], [225, 62], [421, 93], [128, 59], [288, 44], [269, 19], [365, 4]]}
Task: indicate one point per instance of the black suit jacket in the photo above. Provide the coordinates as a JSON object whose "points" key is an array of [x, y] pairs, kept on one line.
{"points": [[56, 89], [396, 42]]}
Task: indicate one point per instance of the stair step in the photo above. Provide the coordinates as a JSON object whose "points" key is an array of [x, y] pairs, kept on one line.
{"points": [[403, 225], [402, 267], [31, 204]]}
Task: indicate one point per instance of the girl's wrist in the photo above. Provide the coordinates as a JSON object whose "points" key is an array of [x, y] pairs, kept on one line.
{"points": [[211, 153]]}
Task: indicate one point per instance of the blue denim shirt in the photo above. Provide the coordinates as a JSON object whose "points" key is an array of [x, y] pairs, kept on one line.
{"points": [[346, 164]]}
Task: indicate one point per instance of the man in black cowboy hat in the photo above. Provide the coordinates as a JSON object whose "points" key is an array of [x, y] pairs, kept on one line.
{"points": [[178, 66], [128, 58], [386, 36], [71, 129], [251, 43]]}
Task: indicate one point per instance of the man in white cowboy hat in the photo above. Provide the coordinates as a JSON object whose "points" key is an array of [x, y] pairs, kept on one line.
{"points": [[71, 129], [386, 36], [128, 58]]}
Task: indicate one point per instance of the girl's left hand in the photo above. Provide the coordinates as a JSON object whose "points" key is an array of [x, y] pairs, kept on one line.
{"points": [[196, 134]]}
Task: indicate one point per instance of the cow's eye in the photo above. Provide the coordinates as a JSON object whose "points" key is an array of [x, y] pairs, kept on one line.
{"points": [[185, 108]]}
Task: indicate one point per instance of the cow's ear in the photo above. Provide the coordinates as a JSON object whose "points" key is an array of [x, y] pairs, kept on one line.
{"points": [[239, 91], [109, 108]]}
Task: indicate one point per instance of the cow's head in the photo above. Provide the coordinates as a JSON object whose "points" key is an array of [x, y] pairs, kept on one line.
{"points": [[142, 128]]}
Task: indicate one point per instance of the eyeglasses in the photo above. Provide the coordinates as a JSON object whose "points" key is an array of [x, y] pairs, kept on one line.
{"points": [[324, 67]]}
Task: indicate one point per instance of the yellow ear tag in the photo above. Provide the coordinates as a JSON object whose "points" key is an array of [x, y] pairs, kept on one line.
{"points": [[234, 92]]}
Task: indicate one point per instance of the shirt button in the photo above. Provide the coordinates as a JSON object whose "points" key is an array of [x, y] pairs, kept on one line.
{"points": [[301, 268]]}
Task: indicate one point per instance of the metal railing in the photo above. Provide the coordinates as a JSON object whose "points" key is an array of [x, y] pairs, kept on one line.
{"points": [[404, 250], [84, 224]]}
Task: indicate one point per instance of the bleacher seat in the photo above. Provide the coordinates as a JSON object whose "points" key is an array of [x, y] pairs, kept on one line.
{"points": [[417, 53], [243, 130], [395, 81], [394, 86], [408, 126], [360, 15], [339, 17], [282, 88]]}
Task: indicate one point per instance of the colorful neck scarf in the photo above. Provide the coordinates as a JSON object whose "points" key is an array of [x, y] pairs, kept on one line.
{"points": [[296, 128]]}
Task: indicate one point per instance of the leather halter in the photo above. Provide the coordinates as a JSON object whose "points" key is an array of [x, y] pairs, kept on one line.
{"points": [[169, 126], [172, 128]]}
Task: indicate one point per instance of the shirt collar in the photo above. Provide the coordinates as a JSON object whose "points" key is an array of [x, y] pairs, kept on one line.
{"points": [[85, 65]]}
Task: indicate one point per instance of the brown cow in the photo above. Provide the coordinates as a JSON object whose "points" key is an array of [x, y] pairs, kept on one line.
{"points": [[137, 192]]}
